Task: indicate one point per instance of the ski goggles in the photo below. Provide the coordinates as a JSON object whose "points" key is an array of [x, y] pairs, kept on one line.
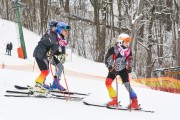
{"points": [[125, 39], [65, 27]]}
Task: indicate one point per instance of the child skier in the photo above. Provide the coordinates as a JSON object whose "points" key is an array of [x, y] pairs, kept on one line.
{"points": [[57, 60], [119, 62], [46, 50]]}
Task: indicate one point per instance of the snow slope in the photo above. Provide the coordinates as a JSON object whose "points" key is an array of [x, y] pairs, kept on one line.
{"points": [[82, 76]]}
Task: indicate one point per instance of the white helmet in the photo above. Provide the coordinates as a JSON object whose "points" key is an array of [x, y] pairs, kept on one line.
{"points": [[123, 37]]}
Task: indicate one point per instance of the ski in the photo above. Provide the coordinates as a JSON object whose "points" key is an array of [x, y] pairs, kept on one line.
{"points": [[67, 97], [12, 95], [97, 105], [55, 91], [125, 108], [71, 93], [139, 109], [30, 94], [19, 92], [117, 108], [55, 97]]}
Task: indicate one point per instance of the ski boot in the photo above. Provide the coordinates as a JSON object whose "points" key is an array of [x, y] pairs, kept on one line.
{"points": [[38, 90], [113, 102], [134, 104], [48, 87], [56, 85]]}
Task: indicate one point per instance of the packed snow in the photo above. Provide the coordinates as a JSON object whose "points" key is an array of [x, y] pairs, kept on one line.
{"points": [[83, 76]]}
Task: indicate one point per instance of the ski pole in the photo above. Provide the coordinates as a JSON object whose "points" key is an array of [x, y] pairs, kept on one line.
{"points": [[51, 70], [66, 83], [117, 92], [129, 92], [33, 66], [128, 60]]}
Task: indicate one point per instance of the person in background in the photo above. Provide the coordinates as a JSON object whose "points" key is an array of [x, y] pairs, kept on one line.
{"points": [[8, 48]]}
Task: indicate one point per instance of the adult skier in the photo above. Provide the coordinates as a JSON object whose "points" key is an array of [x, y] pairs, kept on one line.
{"points": [[119, 62], [45, 52]]}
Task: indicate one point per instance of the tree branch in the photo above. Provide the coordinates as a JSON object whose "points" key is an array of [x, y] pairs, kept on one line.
{"points": [[74, 17], [143, 45]]}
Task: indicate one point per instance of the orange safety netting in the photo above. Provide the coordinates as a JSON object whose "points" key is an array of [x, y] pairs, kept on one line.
{"points": [[167, 84]]}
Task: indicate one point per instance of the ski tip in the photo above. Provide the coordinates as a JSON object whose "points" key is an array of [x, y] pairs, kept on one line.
{"points": [[16, 86], [20, 87], [85, 102]]}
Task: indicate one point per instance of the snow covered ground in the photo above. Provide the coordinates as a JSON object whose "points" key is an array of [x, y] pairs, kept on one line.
{"points": [[82, 76]]}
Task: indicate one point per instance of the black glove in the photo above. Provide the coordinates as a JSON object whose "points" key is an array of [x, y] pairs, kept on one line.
{"points": [[109, 66], [51, 60], [49, 53], [57, 53], [129, 70], [62, 58], [111, 69]]}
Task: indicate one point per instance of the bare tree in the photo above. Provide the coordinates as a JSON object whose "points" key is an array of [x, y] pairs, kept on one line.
{"points": [[153, 26]]}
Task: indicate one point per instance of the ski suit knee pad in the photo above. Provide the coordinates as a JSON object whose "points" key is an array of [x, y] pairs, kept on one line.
{"points": [[108, 81]]}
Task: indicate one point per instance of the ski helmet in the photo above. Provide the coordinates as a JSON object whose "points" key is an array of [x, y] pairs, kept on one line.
{"points": [[62, 26], [52, 23], [123, 38]]}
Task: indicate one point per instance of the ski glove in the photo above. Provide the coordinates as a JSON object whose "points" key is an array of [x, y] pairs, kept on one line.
{"points": [[51, 60], [50, 53], [112, 70], [57, 53], [62, 58]]}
